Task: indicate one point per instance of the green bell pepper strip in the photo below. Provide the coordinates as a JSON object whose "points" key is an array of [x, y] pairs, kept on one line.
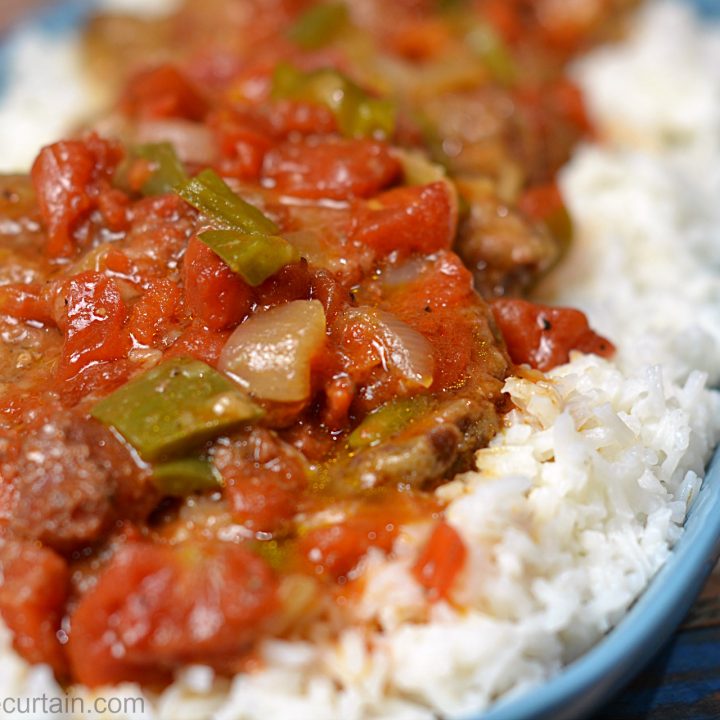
{"points": [[493, 52], [208, 193], [254, 257], [179, 478], [387, 420], [174, 407], [357, 114], [319, 25], [168, 171]]}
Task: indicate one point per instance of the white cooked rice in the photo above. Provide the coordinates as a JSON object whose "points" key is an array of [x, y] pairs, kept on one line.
{"points": [[577, 503]]}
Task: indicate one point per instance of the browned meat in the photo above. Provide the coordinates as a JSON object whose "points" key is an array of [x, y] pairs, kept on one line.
{"points": [[434, 447], [70, 480], [505, 251]]}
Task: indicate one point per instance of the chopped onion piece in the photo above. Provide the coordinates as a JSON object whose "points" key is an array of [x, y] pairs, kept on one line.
{"points": [[270, 354], [193, 142]]}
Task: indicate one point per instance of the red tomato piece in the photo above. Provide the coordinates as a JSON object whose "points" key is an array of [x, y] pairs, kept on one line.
{"points": [[330, 167], [25, 302], [157, 608], [420, 38], [567, 99], [334, 550], [289, 116], [154, 311], [407, 220], [163, 92], [543, 336], [93, 323], [114, 204], [541, 201], [441, 304], [199, 342], [242, 144], [291, 282], [33, 591], [68, 177], [214, 294], [263, 478], [441, 560]]}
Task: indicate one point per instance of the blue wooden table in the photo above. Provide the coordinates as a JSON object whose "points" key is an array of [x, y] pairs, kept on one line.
{"points": [[683, 682]]}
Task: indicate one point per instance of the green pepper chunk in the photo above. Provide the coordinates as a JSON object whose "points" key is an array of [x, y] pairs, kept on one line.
{"points": [[211, 196], [168, 171], [254, 257], [319, 25], [387, 420], [357, 114], [493, 52], [176, 406], [179, 478]]}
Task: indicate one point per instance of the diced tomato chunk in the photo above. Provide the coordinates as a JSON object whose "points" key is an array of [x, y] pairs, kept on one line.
{"points": [[93, 323], [440, 561], [441, 304], [214, 294], [543, 336], [334, 550], [242, 145], [567, 99], [262, 478], [25, 302], [163, 92], [407, 220], [421, 38], [157, 608], [114, 204], [154, 311], [290, 116], [68, 178], [199, 342], [34, 587], [330, 167], [541, 201]]}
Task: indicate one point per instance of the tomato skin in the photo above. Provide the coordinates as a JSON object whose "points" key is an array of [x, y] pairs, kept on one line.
{"points": [[156, 608], [440, 561], [34, 588], [330, 167], [163, 92], [93, 324], [334, 550], [68, 177], [407, 220], [543, 336], [214, 294]]}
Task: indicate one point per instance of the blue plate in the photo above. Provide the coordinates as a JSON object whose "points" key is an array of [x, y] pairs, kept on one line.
{"points": [[594, 678]]}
